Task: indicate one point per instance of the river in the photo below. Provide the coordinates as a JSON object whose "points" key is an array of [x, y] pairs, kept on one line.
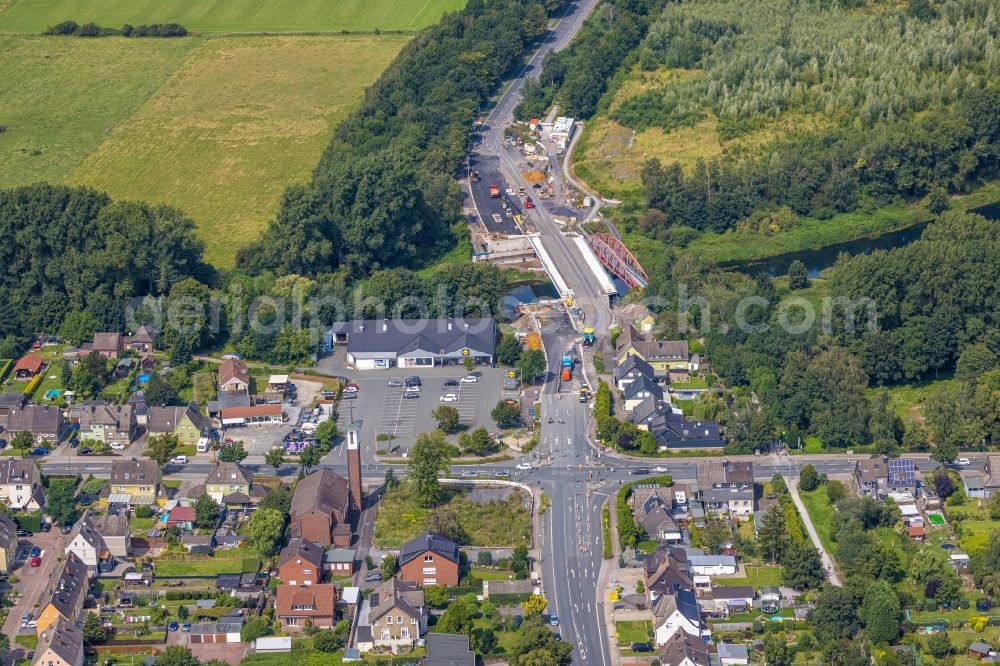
{"points": [[818, 260]]}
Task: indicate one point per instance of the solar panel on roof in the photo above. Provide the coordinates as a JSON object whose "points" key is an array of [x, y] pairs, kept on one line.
{"points": [[902, 470]]}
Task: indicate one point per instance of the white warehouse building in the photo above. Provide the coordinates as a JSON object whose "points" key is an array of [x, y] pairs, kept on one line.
{"points": [[379, 344]]}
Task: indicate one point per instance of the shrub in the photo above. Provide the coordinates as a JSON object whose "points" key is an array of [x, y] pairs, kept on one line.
{"points": [[143, 511], [484, 558]]}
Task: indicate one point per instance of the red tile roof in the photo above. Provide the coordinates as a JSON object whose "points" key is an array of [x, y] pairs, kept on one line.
{"points": [[321, 598], [248, 412], [182, 514], [30, 362]]}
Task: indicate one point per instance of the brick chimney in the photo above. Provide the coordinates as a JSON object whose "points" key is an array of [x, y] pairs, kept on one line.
{"points": [[354, 468]]}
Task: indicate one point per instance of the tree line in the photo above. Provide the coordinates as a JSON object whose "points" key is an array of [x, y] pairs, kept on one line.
{"points": [[72, 28], [384, 193]]}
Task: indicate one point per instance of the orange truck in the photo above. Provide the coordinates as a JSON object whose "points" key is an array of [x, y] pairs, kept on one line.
{"points": [[567, 373], [494, 191]]}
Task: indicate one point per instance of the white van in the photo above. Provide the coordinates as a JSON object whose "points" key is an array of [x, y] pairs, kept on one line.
{"points": [[203, 445]]}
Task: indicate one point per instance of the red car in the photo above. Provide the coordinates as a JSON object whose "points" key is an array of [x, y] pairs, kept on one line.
{"points": [[528, 203], [36, 561]]}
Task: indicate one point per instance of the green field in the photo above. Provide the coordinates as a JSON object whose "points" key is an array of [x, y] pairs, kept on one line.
{"points": [[240, 121], [62, 97], [230, 16]]}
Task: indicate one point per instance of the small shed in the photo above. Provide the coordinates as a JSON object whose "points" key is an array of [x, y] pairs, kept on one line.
{"points": [[273, 644], [959, 561]]}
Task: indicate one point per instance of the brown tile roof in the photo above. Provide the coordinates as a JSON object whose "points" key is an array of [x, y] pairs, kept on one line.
{"points": [[396, 594], [108, 342], [165, 419], [30, 362], [309, 601], [231, 369], [322, 491], [872, 469], [36, 419], [683, 645]]}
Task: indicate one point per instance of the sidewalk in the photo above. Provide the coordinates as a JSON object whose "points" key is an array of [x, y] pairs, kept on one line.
{"points": [[833, 573]]}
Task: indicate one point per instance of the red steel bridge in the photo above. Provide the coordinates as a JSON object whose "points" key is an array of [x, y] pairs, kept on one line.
{"points": [[618, 260]]}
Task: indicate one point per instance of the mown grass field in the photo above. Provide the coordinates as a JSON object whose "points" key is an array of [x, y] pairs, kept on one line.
{"points": [[62, 97], [242, 119], [33, 16]]}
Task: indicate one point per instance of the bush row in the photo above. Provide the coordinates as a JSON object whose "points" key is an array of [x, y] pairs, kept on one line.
{"points": [[72, 28]]}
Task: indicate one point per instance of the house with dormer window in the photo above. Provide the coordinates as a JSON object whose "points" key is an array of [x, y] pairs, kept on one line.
{"points": [[429, 559]]}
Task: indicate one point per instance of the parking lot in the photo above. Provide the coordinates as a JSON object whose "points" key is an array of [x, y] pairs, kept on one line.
{"points": [[385, 410]]}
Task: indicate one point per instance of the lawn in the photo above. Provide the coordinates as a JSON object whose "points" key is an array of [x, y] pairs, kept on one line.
{"points": [[757, 577], [633, 631], [62, 97], [821, 513], [494, 523], [203, 567], [230, 15], [242, 119], [907, 401]]}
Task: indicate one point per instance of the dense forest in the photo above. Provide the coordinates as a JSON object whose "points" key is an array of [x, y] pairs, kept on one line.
{"points": [[898, 104], [576, 77], [71, 249], [384, 193]]}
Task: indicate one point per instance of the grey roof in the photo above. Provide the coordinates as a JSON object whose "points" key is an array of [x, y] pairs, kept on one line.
{"points": [[11, 399], [36, 419], [8, 531], [323, 491], [399, 594], [428, 541], [117, 416], [84, 528], [226, 625], [733, 651], [724, 473], [643, 384], [981, 647], [229, 400], [436, 336], [682, 645], [68, 586], [165, 419], [111, 526], [302, 549], [735, 592], [635, 365], [675, 431], [712, 560], [871, 470], [134, 472], [230, 473], [338, 555], [449, 650], [65, 639], [17, 470]]}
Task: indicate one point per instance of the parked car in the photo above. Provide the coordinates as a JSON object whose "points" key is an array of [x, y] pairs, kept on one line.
{"points": [[23, 533], [117, 446], [179, 460], [410, 395], [40, 451], [66, 529], [373, 578], [46, 527], [469, 379], [470, 473], [25, 616], [351, 388], [85, 451], [983, 605], [172, 626], [449, 397], [525, 466], [234, 357], [554, 620], [349, 396], [36, 561], [963, 462], [73, 443], [451, 381], [412, 389], [395, 383], [3, 443], [641, 647], [35, 551], [412, 381], [186, 626], [640, 471], [30, 624], [502, 473]]}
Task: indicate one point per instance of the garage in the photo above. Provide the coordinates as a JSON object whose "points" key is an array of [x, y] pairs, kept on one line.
{"points": [[416, 343], [226, 630]]}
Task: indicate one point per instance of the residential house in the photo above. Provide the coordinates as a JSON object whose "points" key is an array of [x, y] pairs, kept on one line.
{"points": [[726, 488], [28, 366], [676, 613], [181, 517], [721, 601], [653, 513], [712, 565], [916, 533], [123, 367], [415, 343], [663, 356], [144, 340], [641, 388], [87, 544], [339, 561], [449, 650], [639, 316], [673, 431], [234, 376], [295, 605], [982, 485], [903, 477], [733, 654], [65, 595], [108, 345], [111, 424], [21, 484], [8, 543], [648, 410], [43, 423], [682, 649], [11, 401], [665, 573], [115, 531], [139, 407], [300, 563], [630, 370], [871, 476], [187, 423], [429, 559], [979, 650], [229, 483], [394, 616], [134, 482], [320, 503], [226, 400], [60, 645]]}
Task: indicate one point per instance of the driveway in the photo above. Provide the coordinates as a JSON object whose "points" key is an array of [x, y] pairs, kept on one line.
{"points": [[32, 582], [828, 562]]}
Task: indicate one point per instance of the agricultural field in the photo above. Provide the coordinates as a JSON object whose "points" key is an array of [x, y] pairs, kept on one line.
{"points": [[229, 16], [244, 118]]}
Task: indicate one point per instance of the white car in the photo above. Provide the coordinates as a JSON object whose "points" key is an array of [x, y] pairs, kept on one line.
{"points": [[660, 470], [449, 397], [117, 446], [411, 389], [179, 460], [525, 466], [469, 379], [30, 624], [963, 462]]}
